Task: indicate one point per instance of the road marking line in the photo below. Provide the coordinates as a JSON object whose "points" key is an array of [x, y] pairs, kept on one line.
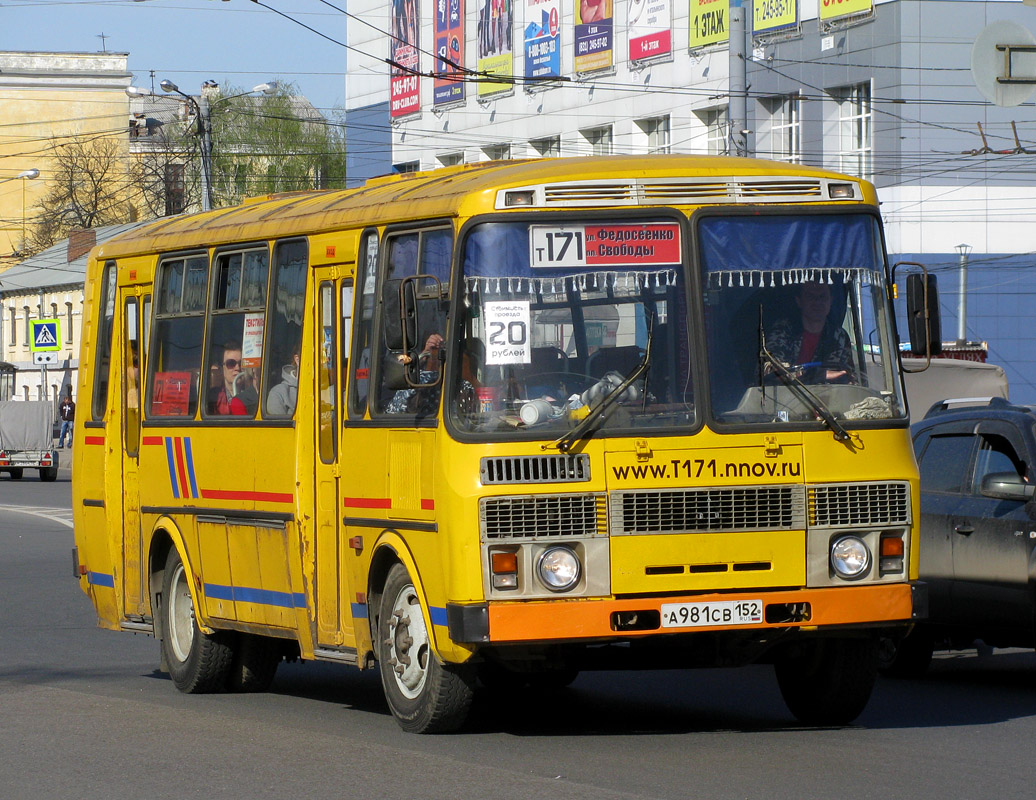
{"points": [[45, 513]]}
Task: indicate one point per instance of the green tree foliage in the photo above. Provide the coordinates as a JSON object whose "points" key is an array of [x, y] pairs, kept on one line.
{"points": [[272, 143]]}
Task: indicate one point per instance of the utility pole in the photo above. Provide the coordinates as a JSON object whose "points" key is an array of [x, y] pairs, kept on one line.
{"points": [[205, 129], [738, 79]]}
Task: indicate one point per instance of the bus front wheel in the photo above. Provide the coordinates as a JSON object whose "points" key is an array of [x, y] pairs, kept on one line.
{"points": [[425, 696], [198, 662], [828, 681]]}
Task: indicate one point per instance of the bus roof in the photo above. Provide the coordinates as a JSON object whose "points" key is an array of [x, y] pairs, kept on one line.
{"points": [[468, 189]]}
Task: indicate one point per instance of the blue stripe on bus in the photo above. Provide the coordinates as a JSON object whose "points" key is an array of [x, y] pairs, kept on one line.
{"points": [[264, 597], [359, 610], [172, 466], [101, 579], [189, 458]]}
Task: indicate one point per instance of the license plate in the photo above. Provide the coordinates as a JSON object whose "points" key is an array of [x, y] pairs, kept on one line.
{"points": [[723, 612]]}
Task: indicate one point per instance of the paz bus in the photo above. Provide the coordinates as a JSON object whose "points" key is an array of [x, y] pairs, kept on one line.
{"points": [[500, 423]]}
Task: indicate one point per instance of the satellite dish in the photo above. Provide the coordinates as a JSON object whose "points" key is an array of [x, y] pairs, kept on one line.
{"points": [[988, 63]]}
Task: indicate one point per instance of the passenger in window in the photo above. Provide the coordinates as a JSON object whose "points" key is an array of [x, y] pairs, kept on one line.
{"points": [[236, 393], [810, 339], [421, 401], [283, 396]]}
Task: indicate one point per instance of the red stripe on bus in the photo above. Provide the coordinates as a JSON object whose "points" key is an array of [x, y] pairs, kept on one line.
{"points": [[93, 440], [427, 505], [181, 470], [367, 502], [152, 440], [263, 497]]}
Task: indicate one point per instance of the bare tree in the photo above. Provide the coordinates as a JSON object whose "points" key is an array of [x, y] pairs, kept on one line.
{"points": [[88, 189]]}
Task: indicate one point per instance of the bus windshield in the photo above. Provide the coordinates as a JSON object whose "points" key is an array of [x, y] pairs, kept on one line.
{"points": [[797, 322], [556, 317]]}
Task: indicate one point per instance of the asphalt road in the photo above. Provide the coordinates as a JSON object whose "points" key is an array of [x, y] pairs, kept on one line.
{"points": [[84, 713]]}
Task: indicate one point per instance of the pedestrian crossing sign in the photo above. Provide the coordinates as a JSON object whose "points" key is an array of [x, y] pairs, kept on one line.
{"points": [[46, 335]]}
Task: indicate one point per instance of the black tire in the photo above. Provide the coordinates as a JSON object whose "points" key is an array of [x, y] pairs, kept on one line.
{"points": [[424, 695], [909, 657], [828, 681], [16, 473], [255, 663], [48, 473], [197, 662]]}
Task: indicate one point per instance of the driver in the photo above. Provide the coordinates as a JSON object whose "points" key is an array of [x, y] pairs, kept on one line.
{"points": [[810, 338]]}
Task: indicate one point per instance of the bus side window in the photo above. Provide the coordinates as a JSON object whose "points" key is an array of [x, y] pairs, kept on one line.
{"points": [[428, 252], [102, 362], [131, 340], [366, 274], [175, 362], [284, 328], [235, 338]]}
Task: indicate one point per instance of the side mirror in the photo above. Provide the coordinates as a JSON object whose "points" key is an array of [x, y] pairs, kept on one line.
{"points": [[923, 314], [1006, 486]]}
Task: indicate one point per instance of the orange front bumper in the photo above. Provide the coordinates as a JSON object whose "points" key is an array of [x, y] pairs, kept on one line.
{"points": [[569, 620]]}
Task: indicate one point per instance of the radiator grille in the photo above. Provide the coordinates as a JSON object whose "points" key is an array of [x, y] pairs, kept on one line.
{"points": [[707, 510], [688, 190], [542, 516], [535, 469], [865, 504]]}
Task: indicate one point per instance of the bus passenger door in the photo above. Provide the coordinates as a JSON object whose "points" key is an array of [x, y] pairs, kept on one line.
{"points": [[135, 309], [333, 622]]}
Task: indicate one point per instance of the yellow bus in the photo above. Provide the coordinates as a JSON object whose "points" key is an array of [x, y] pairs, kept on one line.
{"points": [[500, 423]]}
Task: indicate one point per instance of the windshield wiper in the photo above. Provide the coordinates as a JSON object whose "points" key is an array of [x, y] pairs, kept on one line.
{"points": [[797, 387], [566, 442]]}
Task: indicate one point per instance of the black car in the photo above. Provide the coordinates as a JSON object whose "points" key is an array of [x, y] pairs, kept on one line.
{"points": [[978, 529]]}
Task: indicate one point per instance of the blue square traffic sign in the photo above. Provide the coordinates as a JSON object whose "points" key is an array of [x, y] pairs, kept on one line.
{"points": [[46, 335]]}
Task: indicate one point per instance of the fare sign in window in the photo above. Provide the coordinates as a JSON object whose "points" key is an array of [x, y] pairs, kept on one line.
{"points": [[574, 246]]}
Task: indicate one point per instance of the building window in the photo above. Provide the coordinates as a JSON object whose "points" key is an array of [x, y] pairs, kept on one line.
{"points": [[68, 323], [451, 159], [548, 148], [600, 140], [497, 152], [28, 331], [855, 139], [173, 185], [784, 131], [13, 314], [407, 166], [716, 123], [656, 130]]}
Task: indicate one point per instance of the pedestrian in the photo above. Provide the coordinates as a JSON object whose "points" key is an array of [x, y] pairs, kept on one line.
{"points": [[67, 415]]}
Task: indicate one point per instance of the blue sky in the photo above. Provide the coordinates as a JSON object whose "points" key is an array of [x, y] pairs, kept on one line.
{"points": [[233, 42]]}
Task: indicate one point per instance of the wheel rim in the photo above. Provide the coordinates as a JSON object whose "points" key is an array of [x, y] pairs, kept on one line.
{"points": [[408, 644], [181, 615]]}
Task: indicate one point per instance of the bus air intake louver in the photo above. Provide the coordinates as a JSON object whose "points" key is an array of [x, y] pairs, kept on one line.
{"points": [[535, 469], [863, 504], [747, 508], [542, 516]]}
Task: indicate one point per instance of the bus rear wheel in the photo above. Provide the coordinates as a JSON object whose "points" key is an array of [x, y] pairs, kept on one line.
{"points": [[828, 681], [424, 695], [198, 662]]}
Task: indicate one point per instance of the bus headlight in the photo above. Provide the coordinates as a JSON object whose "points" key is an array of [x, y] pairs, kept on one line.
{"points": [[558, 569], [850, 557]]}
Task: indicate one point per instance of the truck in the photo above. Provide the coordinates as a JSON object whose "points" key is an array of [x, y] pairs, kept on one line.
{"points": [[27, 438]]}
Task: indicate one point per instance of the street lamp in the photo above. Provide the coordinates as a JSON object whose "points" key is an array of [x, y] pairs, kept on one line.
{"points": [[201, 109], [23, 176], [962, 302]]}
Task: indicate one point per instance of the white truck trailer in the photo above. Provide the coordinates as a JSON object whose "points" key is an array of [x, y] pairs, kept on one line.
{"points": [[27, 438]]}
